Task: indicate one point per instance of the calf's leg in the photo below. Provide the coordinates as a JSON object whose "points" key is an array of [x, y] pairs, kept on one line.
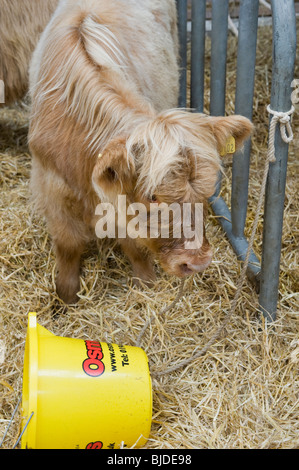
{"points": [[53, 198], [141, 261], [68, 271]]}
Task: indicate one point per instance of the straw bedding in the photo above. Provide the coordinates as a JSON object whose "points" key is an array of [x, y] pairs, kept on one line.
{"points": [[244, 392]]}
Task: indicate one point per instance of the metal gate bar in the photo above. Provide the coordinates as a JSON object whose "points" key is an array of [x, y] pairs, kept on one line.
{"points": [[198, 33], [284, 55], [182, 33], [218, 57], [246, 59], [265, 275], [217, 108]]}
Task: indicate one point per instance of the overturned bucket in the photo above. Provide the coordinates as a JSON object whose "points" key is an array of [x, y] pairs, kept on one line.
{"points": [[83, 394]]}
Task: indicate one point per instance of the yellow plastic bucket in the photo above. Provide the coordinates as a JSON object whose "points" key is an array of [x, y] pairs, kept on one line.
{"points": [[83, 394]]}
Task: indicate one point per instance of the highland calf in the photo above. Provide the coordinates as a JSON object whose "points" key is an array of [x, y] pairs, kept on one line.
{"points": [[21, 24], [104, 123]]}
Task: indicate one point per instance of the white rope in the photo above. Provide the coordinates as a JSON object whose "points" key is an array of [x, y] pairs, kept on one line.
{"points": [[285, 129]]}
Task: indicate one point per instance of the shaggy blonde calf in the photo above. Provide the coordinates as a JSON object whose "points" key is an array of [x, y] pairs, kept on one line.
{"points": [[104, 80]]}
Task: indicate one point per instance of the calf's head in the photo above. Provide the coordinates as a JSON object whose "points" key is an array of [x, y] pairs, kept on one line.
{"points": [[169, 166]]}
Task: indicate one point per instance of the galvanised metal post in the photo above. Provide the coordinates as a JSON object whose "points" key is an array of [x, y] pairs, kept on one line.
{"points": [[182, 33], [217, 107], [198, 34], [283, 63], [218, 56], [218, 65], [246, 58]]}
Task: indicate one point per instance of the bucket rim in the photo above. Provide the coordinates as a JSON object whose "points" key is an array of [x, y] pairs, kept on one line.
{"points": [[30, 384]]}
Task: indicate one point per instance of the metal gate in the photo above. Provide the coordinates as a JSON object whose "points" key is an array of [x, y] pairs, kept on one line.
{"points": [[264, 274]]}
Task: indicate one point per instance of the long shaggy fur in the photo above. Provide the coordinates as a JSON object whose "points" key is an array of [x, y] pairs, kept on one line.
{"points": [[21, 24], [94, 70], [104, 80]]}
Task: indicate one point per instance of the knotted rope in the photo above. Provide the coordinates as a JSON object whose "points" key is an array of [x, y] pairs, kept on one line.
{"points": [[284, 120], [285, 125]]}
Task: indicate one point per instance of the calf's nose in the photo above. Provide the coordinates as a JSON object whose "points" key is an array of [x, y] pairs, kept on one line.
{"points": [[196, 265]]}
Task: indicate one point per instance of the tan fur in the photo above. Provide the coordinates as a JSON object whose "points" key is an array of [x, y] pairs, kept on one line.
{"points": [[21, 24], [103, 78]]}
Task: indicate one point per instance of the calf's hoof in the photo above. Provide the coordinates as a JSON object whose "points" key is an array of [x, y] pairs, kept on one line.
{"points": [[67, 291]]}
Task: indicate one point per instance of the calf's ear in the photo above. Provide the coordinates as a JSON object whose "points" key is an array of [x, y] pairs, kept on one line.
{"points": [[235, 126], [114, 171]]}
